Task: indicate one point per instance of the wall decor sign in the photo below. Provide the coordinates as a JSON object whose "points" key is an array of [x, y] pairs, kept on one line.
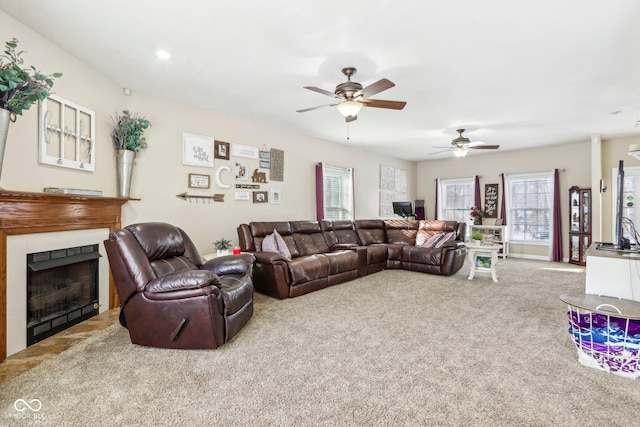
{"points": [[221, 150], [198, 181], [248, 186], [243, 195], [245, 151], [67, 134], [218, 173], [491, 200], [277, 165], [265, 164], [197, 150]]}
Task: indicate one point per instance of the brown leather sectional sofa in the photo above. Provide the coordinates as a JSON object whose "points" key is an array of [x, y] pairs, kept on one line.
{"points": [[326, 253]]}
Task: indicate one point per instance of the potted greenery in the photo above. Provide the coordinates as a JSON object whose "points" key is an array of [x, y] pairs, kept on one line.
{"points": [[128, 139], [476, 237], [222, 246], [20, 88]]}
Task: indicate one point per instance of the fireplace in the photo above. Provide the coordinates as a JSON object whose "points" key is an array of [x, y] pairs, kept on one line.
{"points": [[29, 220], [62, 289]]}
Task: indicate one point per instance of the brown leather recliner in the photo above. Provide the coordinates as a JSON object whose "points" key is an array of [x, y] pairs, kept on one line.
{"points": [[169, 297]]}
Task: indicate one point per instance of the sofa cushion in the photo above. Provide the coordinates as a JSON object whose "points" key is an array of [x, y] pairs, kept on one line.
{"points": [[308, 237], [370, 231], [401, 231], [275, 243], [308, 268]]}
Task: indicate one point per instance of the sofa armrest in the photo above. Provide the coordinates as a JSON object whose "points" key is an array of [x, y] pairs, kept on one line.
{"points": [[269, 257], [185, 284], [230, 264]]}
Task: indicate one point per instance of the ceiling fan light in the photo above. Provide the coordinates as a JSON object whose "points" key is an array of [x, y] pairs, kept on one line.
{"points": [[460, 151], [349, 108]]}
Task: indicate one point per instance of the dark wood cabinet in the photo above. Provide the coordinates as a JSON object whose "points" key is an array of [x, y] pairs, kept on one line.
{"points": [[579, 224]]}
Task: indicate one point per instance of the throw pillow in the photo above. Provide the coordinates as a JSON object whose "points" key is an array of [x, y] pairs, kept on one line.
{"points": [[431, 241], [275, 243], [283, 249], [446, 238]]}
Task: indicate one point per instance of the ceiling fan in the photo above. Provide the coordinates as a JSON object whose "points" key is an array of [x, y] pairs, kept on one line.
{"points": [[461, 145], [352, 96]]}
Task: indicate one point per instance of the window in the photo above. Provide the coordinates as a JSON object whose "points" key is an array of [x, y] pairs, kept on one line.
{"points": [[338, 193], [455, 198], [529, 206]]}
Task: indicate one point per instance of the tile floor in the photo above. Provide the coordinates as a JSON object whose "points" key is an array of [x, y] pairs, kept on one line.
{"points": [[33, 355]]}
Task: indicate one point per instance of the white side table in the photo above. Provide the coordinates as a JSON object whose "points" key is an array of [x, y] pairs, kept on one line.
{"points": [[483, 259]]}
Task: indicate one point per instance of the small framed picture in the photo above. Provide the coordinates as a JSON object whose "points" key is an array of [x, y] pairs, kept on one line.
{"points": [[276, 196], [265, 164], [242, 172], [198, 181], [260, 197], [221, 150]]}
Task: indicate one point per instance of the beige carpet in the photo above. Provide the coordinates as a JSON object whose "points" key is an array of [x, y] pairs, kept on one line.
{"points": [[394, 348]]}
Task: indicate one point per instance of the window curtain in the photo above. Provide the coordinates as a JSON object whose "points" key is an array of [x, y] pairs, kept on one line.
{"points": [[557, 219], [319, 191], [435, 215], [503, 205], [477, 199]]}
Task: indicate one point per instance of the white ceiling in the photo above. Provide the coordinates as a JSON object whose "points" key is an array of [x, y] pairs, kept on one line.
{"points": [[514, 73]]}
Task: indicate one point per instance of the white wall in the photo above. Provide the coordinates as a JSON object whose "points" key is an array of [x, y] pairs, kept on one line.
{"points": [[159, 174]]}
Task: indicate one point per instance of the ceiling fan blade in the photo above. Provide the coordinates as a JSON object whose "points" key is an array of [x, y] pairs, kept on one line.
{"points": [[350, 118], [484, 147], [315, 108], [377, 87], [322, 91], [379, 103], [438, 152]]}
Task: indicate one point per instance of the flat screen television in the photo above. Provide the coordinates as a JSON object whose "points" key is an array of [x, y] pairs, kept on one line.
{"points": [[403, 209], [618, 239], [619, 242]]}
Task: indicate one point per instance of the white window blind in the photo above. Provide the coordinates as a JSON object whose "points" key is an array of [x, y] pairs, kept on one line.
{"points": [[529, 206], [455, 199], [338, 193]]}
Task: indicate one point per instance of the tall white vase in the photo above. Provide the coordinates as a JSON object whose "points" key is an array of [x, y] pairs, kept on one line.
{"points": [[5, 119], [124, 171]]}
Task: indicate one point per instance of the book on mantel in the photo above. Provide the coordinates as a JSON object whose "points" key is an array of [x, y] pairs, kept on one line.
{"points": [[75, 191]]}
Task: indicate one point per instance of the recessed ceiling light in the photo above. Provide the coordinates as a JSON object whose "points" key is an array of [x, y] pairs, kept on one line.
{"points": [[163, 54]]}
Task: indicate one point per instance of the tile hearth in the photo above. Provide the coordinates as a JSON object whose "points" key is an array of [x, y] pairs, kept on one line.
{"points": [[32, 356]]}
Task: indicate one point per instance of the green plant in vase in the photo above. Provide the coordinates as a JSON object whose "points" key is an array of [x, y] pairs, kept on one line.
{"points": [[476, 236], [222, 246], [20, 88], [128, 138]]}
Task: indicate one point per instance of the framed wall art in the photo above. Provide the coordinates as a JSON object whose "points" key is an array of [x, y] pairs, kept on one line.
{"points": [[67, 134], [246, 151], [197, 150], [198, 181], [242, 171], [276, 196], [221, 150], [260, 197]]}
